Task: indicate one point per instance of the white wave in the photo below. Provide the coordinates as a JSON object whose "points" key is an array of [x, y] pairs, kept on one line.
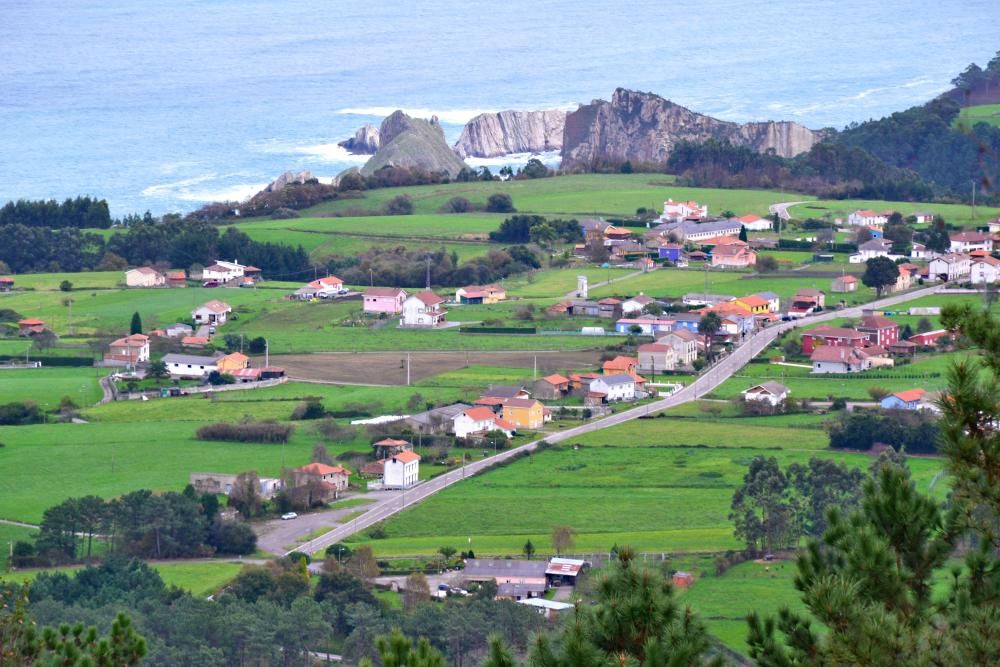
{"points": [[187, 189], [164, 189], [548, 158], [329, 153], [446, 116]]}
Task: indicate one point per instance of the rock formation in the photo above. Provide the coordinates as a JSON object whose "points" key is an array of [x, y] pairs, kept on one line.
{"points": [[643, 127], [286, 179], [364, 142], [506, 132], [412, 142]]}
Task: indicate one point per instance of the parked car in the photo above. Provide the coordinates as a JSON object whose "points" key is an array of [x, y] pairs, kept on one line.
{"points": [[288, 516]]}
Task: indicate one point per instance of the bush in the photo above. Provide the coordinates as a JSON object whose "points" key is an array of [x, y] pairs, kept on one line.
{"points": [[20, 414], [233, 537], [262, 431], [215, 378], [400, 205], [284, 214], [457, 205], [309, 409], [500, 203], [767, 264]]}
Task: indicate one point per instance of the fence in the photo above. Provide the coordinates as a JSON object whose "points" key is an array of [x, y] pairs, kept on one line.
{"points": [[138, 395]]}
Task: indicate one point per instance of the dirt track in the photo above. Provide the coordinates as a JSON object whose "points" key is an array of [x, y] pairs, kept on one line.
{"points": [[389, 368]]}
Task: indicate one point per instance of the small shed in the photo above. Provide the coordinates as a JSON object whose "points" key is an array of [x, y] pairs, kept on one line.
{"points": [[682, 579]]}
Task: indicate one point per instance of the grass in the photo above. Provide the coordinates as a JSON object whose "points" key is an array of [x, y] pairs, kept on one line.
{"points": [[983, 113], [957, 214], [8, 536], [46, 386], [201, 578]]}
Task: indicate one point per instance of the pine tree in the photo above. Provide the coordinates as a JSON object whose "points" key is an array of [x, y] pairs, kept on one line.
{"points": [[136, 326], [743, 234]]}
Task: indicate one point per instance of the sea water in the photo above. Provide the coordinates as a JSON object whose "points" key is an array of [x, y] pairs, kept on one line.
{"points": [[166, 104]]}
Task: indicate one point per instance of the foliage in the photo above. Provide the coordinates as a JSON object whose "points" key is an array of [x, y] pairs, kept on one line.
{"points": [[396, 650], [500, 202], [399, 205], [880, 272], [937, 238], [635, 621], [135, 327], [267, 431], [65, 286], [81, 212], [709, 325], [912, 430], [767, 264], [762, 511], [528, 550], [563, 539], [417, 591], [529, 228], [19, 414]]}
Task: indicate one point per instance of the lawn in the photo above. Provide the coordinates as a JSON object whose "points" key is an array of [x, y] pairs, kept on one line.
{"points": [[956, 214], [201, 578], [48, 385], [8, 536], [983, 113]]}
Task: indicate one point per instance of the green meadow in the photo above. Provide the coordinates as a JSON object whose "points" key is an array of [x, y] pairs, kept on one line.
{"points": [[983, 113], [47, 386]]}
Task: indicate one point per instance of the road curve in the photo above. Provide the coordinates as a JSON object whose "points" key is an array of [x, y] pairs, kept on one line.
{"points": [[782, 208], [710, 378]]}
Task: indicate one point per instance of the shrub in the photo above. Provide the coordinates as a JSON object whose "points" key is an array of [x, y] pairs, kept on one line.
{"points": [[309, 409], [400, 205], [457, 205], [19, 414], [500, 203], [215, 378], [262, 431], [233, 537], [284, 214]]}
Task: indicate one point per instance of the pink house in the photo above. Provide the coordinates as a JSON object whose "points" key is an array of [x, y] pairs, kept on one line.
{"points": [[387, 300]]}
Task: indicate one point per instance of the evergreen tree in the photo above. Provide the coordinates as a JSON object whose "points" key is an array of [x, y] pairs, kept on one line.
{"points": [[396, 650], [743, 234], [136, 326]]}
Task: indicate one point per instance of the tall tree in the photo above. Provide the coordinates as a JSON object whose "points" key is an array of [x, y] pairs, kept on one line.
{"points": [[880, 272], [762, 512], [562, 538], [417, 591], [136, 326], [396, 650], [708, 326], [937, 238]]}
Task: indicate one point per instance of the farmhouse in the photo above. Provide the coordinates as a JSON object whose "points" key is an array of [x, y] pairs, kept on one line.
{"points": [[185, 365], [388, 446], [6, 284], [551, 387], [331, 480], [834, 359], [921, 217], [773, 301], [233, 362], [649, 325], [322, 288], [755, 303], [870, 250], [655, 357], [524, 572], [868, 218], [30, 326], [835, 336], [480, 294], [479, 420], [930, 338], [910, 399], [212, 312], [620, 364], [383, 300], [195, 341], [805, 301], [618, 387], [963, 242], [144, 277], [985, 270], [768, 392], [755, 223], [177, 330], [636, 304], [505, 391], [950, 267], [524, 413], [223, 272], [132, 349], [687, 231], [401, 471], [518, 592], [683, 210], [423, 309], [564, 571], [176, 279], [685, 344], [845, 283], [736, 254], [223, 483], [436, 421], [609, 308], [879, 330], [550, 609]]}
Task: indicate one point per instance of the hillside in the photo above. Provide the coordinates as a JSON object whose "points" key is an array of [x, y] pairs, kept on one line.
{"points": [[413, 143]]}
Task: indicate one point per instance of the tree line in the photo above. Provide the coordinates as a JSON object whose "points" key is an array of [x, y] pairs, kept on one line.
{"points": [[78, 212], [174, 243]]}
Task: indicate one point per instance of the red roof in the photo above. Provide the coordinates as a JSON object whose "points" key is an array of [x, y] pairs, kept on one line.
{"points": [[826, 331], [322, 469], [329, 281], [877, 322], [5, 279], [620, 363], [31, 322], [910, 395], [504, 424], [489, 400], [479, 414], [248, 373], [654, 347], [391, 442], [406, 457], [216, 306], [753, 300], [194, 340], [520, 402], [555, 379], [429, 298], [383, 291], [836, 353], [176, 275]]}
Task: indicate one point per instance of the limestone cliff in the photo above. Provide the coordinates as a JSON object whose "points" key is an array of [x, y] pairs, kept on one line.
{"points": [[286, 179], [643, 127], [506, 132], [412, 142], [364, 142]]}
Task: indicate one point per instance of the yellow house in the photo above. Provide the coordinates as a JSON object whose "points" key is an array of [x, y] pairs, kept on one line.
{"points": [[754, 303], [476, 294], [524, 413], [233, 362]]}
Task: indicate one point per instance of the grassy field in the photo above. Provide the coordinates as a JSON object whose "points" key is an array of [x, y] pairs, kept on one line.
{"points": [[956, 214], [8, 535], [983, 113], [200, 578], [659, 484], [47, 386]]}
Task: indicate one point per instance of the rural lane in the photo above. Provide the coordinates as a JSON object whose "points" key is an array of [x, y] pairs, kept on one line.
{"points": [[710, 378], [782, 208]]}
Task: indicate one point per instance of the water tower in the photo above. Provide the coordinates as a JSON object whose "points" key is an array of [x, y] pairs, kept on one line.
{"points": [[581, 287]]}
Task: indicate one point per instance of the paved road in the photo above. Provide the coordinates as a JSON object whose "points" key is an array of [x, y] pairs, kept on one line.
{"points": [[782, 208], [711, 378], [20, 524], [277, 536]]}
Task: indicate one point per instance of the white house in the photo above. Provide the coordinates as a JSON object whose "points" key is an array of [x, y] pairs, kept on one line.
{"points": [[401, 471], [178, 330], [422, 309], [969, 241], [871, 249], [223, 271], [685, 344], [655, 357], [618, 387], [479, 420], [868, 218], [322, 288], [773, 301], [185, 365], [838, 359], [683, 209], [755, 223], [919, 251], [144, 277], [768, 392], [212, 312], [985, 270], [950, 267], [636, 304]]}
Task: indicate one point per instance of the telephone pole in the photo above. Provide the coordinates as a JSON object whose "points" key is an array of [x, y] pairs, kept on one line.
{"points": [[428, 272]]}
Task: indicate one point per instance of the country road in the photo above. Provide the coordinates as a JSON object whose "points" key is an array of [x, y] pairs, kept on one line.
{"points": [[782, 208], [710, 378]]}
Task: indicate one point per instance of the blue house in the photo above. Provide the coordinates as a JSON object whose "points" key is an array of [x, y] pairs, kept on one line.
{"points": [[686, 321], [670, 251], [903, 400]]}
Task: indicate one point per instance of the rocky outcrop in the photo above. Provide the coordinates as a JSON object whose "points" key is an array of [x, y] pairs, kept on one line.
{"points": [[286, 179], [413, 143], [643, 127], [364, 142], [506, 132]]}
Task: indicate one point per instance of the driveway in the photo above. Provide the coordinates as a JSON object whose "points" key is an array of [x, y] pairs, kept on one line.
{"points": [[711, 378]]}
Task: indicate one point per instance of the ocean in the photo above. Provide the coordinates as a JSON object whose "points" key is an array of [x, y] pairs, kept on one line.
{"points": [[163, 105]]}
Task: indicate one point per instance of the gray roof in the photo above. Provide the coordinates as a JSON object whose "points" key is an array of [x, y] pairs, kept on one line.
{"points": [[189, 359], [774, 388], [510, 568], [447, 412], [767, 295], [875, 244], [711, 298], [686, 227], [519, 590], [617, 379]]}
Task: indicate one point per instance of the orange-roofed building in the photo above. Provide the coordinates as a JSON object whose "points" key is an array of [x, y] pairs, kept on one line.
{"points": [[755, 304], [551, 387], [132, 349], [911, 399], [620, 364], [30, 326], [524, 413], [401, 471], [233, 362], [335, 476]]}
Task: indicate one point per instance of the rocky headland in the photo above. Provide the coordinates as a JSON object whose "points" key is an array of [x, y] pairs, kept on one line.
{"points": [[413, 143], [507, 132]]}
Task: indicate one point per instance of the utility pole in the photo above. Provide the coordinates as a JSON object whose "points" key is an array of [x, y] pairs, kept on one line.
{"points": [[407, 369], [267, 354], [973, 200], [534, 370], [428, 272], [371, 277]]}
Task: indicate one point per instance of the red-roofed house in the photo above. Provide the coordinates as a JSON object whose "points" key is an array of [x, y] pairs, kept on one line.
{"points": [[620, 364], [333, 479], [910, 399], [176, 279], [880, 330], [845, 283], [480, 294], [737, 255], [964, 242], [212, 312], [754, 303], [755, 223], [423, 309], [985, 270], [655, 357], [834, 359], [930, 338], [6, 284], [144, 276], [551, 387], [479, 420], [322, 288], [526, 413], [384, 300], [132, 349], [401, 471], [835, 336], [30, 326]]}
